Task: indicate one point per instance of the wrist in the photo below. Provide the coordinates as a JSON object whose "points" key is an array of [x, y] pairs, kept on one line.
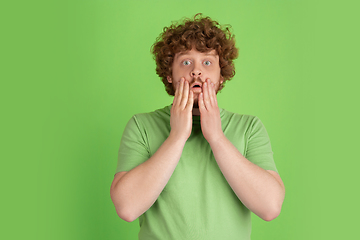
{"points": [[177, 138], [217, 138]]}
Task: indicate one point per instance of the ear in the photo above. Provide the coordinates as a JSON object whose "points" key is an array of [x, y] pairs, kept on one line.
{"points": [[221, 80], [169, 79]]}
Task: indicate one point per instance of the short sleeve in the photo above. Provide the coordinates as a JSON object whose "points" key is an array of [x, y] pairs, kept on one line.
{"points": [[258, 148], [133, 148]]}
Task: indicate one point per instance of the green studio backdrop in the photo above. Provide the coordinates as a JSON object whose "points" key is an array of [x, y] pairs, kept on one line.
{"points": [[95, 70]]}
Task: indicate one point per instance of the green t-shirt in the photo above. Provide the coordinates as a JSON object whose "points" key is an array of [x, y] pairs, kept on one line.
{"points": [[197, 202]]}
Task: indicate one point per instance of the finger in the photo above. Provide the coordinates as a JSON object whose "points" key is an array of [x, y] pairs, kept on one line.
{"points": [[206, 95], [210, 91], [180, 92], [176, 95], [190, 102], [185, 96], [202, 107], [213, 94]]}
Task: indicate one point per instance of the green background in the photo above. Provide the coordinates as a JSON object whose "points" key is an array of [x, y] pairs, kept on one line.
{"points": [[76, 71]]}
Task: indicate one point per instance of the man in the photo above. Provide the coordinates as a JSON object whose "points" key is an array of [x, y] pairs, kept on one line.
{"points": [[193, 170]]}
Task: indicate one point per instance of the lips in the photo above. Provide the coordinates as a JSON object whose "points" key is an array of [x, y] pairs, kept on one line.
{"points": [[196, 87]]}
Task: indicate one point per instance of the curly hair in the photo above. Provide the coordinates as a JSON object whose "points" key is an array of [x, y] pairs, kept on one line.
{"points": [[202, 33]]}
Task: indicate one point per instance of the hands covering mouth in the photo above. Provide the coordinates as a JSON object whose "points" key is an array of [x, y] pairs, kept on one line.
{"points": [[181, 110]]}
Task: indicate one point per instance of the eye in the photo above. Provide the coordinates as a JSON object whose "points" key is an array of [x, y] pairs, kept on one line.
{"points": [[186, 62], [207, 63]]}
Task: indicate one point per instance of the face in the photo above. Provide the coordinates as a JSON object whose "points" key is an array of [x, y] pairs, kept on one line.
{"points": [[196, 67]]}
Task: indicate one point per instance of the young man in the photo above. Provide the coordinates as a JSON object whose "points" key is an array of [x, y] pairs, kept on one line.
{"points": [[193, 170]]}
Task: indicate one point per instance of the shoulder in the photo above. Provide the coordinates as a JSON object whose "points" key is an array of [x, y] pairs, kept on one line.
{"points": [[243, 123], [149, 119], [243, 119], [158, 113]]}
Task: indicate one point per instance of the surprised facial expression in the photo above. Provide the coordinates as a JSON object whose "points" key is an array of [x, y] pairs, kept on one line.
{"points": [[196, 67]]}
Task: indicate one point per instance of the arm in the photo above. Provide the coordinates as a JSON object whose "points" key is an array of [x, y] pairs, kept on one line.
{"points": [[259, 190], [135, 191]]}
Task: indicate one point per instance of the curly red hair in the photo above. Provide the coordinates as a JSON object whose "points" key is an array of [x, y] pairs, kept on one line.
{"points": [[202, 33]]}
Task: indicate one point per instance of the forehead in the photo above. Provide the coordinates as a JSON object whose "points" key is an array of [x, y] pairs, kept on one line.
{"points": [[194, 52]]}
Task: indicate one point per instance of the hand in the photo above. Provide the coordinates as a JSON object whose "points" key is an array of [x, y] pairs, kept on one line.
{"points": [[210, 113], [181, 111]]}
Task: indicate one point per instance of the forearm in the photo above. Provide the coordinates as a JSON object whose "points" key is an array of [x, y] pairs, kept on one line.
{"points": [[139, 188], [257, 189]]}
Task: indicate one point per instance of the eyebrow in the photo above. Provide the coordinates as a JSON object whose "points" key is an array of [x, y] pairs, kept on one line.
{"points": [[211, 54], [206, 54], [182, 53]]}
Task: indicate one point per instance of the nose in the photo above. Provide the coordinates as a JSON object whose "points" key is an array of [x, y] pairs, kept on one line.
{"points": [[196, 71]]}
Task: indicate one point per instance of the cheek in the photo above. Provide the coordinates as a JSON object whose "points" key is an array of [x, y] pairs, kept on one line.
{"points": [[175, 84]]}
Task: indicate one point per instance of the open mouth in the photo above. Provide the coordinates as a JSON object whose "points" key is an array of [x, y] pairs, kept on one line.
{"points": [[196, 86]]}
